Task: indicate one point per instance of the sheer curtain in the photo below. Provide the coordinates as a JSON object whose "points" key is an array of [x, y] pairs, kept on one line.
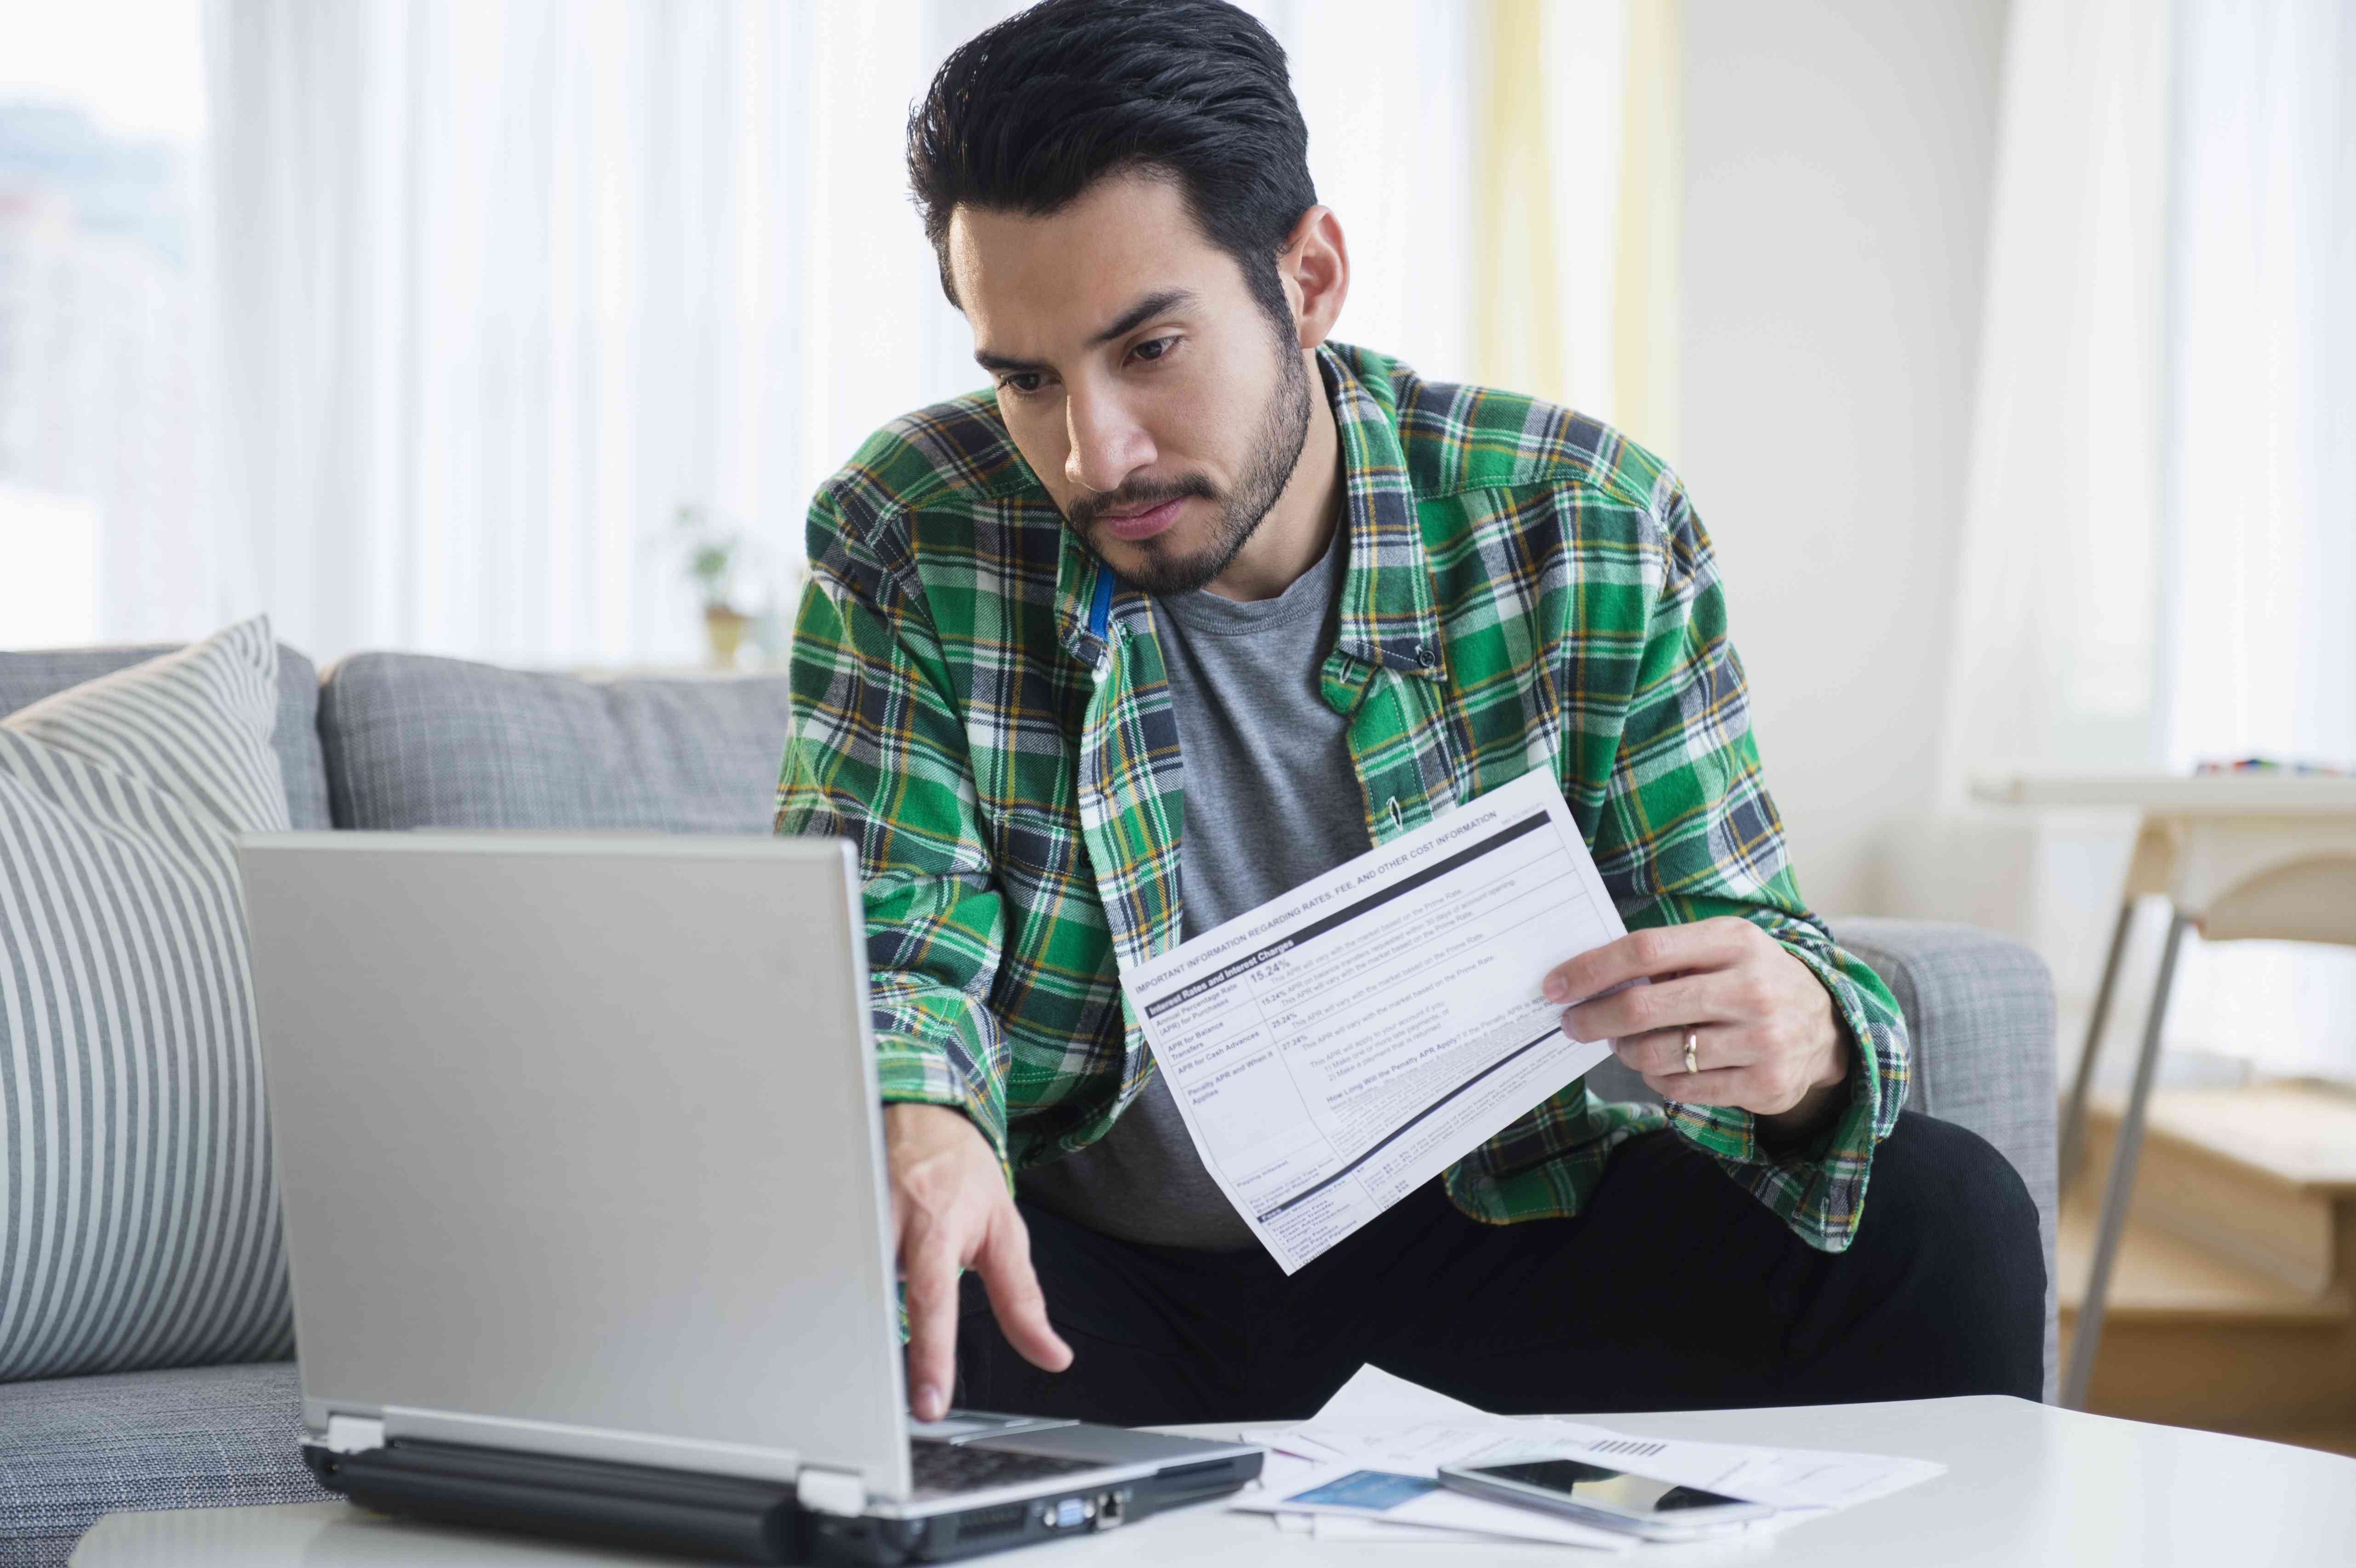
{"points": [[2160, 546], [2263, 641], [1578, 194], [2058, 582], [103, 456], [2261, 612], [504, 286]]}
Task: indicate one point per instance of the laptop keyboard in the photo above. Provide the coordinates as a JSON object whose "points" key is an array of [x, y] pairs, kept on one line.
{"points": [[948, 1468]]}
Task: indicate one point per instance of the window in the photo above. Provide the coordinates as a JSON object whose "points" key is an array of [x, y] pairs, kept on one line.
{"points": [[103, 426]]}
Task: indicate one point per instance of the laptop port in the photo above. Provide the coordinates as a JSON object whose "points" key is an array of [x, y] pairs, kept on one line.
{"points": [[1111, 1508], [1007, 1518], [1068, 1514]]}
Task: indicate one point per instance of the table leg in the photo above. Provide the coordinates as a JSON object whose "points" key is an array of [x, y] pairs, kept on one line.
{"points": [[2119, 1190], [2074, 1118]]}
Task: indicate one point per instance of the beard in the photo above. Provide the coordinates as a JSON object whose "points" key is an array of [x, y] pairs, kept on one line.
{"points": [[1283, 434]]}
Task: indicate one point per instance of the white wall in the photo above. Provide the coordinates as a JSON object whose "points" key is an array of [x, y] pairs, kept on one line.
{"points": [[1837, 171]]}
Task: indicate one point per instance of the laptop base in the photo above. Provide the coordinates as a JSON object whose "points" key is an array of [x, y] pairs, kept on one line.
{"points": [[724, 1519]]}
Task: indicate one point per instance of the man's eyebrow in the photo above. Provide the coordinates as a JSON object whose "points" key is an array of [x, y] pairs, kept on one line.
{"points": [[1001, 363], [1136, 316], [1143, 311]]}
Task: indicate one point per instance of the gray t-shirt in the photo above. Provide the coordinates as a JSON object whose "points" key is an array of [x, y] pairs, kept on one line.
{"points": [[1272, 800]]}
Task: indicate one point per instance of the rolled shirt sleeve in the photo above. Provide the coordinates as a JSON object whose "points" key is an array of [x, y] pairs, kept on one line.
{"points": [[878, 755], [1687, 832]]}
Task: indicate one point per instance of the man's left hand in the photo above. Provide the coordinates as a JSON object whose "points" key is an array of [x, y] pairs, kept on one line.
{"points": [[1765, 1037]]}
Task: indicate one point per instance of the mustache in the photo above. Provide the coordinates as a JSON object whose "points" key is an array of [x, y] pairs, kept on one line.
{"points": [[1139, 497]]}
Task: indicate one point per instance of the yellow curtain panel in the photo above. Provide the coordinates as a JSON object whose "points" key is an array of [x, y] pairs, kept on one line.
{"points": [[1645, 273], [1517, 320], [1533, 257]]}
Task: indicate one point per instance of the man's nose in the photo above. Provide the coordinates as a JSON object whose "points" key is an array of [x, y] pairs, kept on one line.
{"points": [[1107, 444]]}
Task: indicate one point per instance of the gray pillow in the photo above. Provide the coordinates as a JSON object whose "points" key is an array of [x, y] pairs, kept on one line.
{"points": [[29, 675], [413, 741], [138, 1211]]}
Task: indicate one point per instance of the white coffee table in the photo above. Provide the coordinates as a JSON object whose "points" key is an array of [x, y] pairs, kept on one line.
{"points": [[2026, 1485]]}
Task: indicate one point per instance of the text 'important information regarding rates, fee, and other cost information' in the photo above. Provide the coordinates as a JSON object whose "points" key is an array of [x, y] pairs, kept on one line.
{"points": [[1339, 1046]]}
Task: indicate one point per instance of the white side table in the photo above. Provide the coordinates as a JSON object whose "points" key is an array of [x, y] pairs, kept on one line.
{"points": [[2027, 1485], [2238, 856]]}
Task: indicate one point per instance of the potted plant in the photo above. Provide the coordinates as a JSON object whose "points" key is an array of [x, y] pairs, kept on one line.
{"points": [[713, 562]]}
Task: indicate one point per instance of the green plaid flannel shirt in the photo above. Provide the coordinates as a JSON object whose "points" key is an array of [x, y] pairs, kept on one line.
{"points": [[980, 705]]}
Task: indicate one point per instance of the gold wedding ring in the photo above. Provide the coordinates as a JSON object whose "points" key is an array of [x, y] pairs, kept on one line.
{"points": [[1693, 1064]]}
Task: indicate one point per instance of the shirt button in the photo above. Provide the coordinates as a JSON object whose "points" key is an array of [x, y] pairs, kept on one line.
{"points": [[1424, 657]]}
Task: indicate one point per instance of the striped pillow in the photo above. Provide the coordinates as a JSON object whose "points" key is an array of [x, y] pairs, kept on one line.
{"points": [[138, 1212]]}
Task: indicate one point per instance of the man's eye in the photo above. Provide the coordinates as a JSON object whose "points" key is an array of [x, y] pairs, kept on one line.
{"points": [[1153, 348], [1023, 384]]}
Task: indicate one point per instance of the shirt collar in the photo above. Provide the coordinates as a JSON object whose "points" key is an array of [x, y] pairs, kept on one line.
{"points": [[1386, 614]]}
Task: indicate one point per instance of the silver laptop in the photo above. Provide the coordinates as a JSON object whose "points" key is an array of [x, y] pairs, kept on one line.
{"points": [[580, 1154]]}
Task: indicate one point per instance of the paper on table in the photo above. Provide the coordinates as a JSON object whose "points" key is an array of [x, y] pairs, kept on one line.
{"points": [[1785, 1478], [1381, 1422], [1349, 1527], [1375, 1403], [1351, 1491], [1341, 1044], [1373, 1400], [1379, 1418], [1782, 1478]]}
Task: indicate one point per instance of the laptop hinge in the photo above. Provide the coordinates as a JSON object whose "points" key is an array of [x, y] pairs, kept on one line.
{"points": [[822, 1490], [354, 1433]]}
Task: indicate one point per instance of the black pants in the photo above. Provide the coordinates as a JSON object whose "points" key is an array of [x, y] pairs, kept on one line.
{"points": [[1675, 1289]]}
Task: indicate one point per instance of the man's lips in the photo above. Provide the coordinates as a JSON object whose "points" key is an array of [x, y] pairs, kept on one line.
{"points": [[1144, 524]]}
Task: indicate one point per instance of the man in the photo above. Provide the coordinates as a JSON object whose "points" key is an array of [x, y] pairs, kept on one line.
{"points": [[1193, 605]]}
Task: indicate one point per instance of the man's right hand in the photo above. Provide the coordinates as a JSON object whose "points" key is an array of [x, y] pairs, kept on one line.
{"points": [[951, 1209]]}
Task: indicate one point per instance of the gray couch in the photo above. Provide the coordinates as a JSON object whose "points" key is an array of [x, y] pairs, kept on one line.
{"points": [[392, 741]]}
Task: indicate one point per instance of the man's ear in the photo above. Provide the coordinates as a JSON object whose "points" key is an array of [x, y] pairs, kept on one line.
{"points": [[1315, 266]]}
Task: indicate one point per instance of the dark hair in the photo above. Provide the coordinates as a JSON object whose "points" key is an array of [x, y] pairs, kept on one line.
{"points": [[1026, 115]]}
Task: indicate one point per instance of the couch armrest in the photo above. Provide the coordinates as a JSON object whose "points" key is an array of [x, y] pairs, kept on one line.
{"points": [[1979, 1011], [1980, 1008]]}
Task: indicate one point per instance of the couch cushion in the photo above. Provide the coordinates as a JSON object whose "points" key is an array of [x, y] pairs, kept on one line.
{"points": [[413, 741], [74, 1448], [138, 1215], [27, 678]]}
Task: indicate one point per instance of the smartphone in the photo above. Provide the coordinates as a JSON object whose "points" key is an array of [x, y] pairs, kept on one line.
{"points": [[1656, 1510]]}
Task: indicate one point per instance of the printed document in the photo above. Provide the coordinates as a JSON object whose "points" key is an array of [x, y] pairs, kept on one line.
{"points": [[1808, 1479], [1393, 1505], [1347, 1466], [1341, 1044]]}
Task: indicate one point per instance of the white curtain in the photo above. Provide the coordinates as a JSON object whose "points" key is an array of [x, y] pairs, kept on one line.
{"points": [[2264, 612], [2057, 576], [2160, 545], [1388, 89], [2261, 607], [1570, 245], [503, 286], [103, 422], [2057, 588]]}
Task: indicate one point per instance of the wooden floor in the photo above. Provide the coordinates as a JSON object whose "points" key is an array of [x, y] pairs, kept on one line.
{"points": [[2233, 1304]]}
